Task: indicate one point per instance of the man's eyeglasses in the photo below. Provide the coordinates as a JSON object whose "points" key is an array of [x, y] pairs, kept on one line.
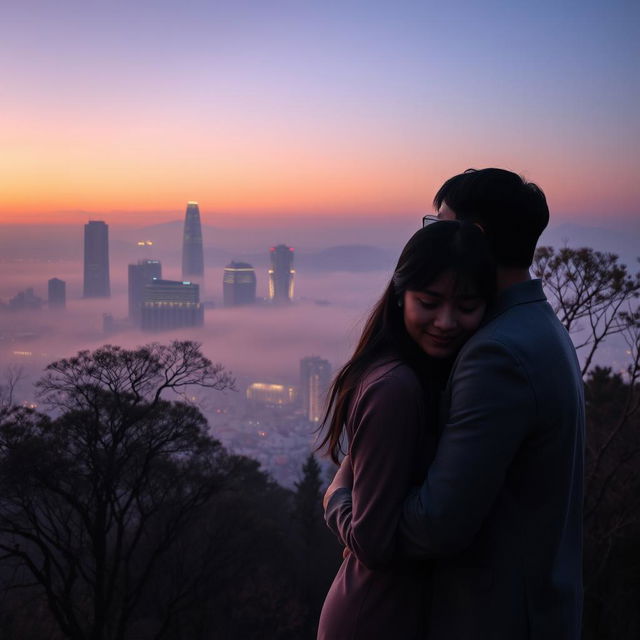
{"points": [[429, 219]]}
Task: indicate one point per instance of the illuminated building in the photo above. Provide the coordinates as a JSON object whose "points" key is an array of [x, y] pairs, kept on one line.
{"points": [[192, 256], [96, 260], [140, 275], [57, 293], [270, 394], [281, 274], [169, 304], [315, 376], [239, 284]]}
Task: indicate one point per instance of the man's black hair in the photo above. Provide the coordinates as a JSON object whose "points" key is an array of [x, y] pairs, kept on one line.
{"points": [[512, 211]]}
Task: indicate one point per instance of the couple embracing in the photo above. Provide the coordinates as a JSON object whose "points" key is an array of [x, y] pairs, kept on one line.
{"points": [[459, 502]]}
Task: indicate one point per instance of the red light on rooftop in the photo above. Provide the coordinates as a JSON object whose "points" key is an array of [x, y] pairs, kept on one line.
{"points": [[272, 249], [290, 248]]}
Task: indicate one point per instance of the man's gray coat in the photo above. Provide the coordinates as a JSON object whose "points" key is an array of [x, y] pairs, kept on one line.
{"points": [[501, 507]]}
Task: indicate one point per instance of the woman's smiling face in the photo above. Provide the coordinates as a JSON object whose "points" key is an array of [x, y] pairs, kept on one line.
{"points": [[441, 318]]}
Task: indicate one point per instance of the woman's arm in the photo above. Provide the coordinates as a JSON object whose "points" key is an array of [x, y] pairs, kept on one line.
{"points": [[386, 423]]}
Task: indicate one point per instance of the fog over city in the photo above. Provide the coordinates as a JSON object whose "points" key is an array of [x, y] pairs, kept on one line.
{"points": [[341, 269], [259, 340]]}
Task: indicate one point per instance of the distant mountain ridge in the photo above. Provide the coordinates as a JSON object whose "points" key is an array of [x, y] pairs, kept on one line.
{"points": [[339, 258]]}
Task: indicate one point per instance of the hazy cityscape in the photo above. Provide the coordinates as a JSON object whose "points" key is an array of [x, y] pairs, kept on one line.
{"points": [[265, 315], [279, 332]]}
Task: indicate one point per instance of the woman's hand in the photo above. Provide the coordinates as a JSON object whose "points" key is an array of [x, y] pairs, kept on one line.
{"points": [[342, 480]]}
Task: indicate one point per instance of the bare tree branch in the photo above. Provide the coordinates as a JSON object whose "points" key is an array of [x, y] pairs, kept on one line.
{"points": [[92, 500]]}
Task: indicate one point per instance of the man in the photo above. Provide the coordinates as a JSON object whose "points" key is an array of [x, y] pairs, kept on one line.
{"points": [[500, 510]]}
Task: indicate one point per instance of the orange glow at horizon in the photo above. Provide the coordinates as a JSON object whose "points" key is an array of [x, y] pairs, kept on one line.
{"points": [[256, 197], [125, 111], [138, 175]]}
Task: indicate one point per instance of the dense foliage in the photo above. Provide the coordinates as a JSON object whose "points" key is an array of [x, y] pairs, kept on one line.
{"points": [[121, 517], [596, 298]]}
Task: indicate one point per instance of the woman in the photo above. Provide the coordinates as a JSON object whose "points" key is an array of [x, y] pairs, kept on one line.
{"points": [[385, 401]]}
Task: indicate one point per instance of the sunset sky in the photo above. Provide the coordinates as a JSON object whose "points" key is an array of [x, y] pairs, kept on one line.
{"points": [[127, 109]]}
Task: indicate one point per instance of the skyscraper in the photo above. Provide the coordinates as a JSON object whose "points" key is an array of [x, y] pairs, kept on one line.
{"points": [[169, 304], [57, 293], [96, 260], [239, 284], [192, 257], [315, 376], [140, 275], [281, 274]]}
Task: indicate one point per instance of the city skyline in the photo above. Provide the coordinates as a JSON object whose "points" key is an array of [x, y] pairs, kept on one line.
{"points": [[294, 110], [260, 345]]}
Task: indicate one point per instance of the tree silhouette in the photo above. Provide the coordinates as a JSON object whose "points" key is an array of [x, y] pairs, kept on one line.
{"points": [[13, 375], [318, 552], [612, 507], [92, 499], [307, 505], [592, 293], [596, 297]]}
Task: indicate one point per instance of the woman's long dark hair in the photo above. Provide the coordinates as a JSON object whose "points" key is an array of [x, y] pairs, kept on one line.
{"points": [[442, 246]]}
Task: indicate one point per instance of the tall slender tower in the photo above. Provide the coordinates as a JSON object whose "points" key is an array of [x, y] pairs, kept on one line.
{"points": [[192, 258], [96, 260], [281, 274]]}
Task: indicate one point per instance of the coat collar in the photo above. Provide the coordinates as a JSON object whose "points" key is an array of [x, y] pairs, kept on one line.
{"points": [[521, 293]]}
